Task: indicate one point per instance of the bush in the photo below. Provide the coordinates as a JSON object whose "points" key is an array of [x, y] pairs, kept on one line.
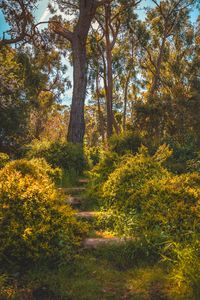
{"points": [[125, 142], [99, 173], [170, 207], [130, 176], [34, 225], [161, 205], [178, 161], [4, 158], [92, 155], [37, 168], [67, 156]]}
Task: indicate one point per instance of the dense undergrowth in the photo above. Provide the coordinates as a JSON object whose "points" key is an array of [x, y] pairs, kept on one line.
{"points": [[140, 199]]}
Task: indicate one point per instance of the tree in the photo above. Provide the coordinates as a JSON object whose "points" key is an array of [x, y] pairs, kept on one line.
{"points": [[111, 18], [13, 107], [30, 88], [165, 21], [167, 43], [86, 10], [19, 16]]}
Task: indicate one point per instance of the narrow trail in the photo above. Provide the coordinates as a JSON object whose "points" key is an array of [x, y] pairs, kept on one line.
{"points": [[75, 200], [111, 268]]}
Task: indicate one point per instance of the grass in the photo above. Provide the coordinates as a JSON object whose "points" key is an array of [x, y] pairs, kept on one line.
{"points": [[96, 275]]}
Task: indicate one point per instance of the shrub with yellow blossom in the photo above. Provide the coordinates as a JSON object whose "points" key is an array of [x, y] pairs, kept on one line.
{"points": [[34, 224]]}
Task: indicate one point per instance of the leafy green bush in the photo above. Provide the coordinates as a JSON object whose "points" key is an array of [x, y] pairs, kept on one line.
{"points": [[130, 176], [4, 158], [163, 205], [67, 156], [92, 155], [171, 205], [36, 167], [125, 142], [178, 162], [143, 200], [34, 224], [99, 173]]}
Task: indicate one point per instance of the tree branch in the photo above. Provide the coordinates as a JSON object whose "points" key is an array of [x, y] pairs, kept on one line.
{"points": [[58, 29]]}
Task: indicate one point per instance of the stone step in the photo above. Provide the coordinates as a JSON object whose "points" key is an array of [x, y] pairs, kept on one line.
{"points": [[74, 201], [73, 190], [98, 242], [87, 214], [83, 180]]}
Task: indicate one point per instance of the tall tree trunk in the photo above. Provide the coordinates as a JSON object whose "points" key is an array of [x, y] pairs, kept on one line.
{"points": [[100, 114], [109, 90], [125, 100], [156, 79], [76, 128], [78, 39]]}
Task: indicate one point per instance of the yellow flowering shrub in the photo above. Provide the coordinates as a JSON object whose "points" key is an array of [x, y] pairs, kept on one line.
{"points": [[35, 167], [155, 203], [34, 224], [170, 206], [130, 176]]}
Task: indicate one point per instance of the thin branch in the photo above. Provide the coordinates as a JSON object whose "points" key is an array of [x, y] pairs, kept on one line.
{"points": [[124, 7], [58, 29]]}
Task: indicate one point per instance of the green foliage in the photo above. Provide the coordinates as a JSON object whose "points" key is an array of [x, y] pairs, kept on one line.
{"points": [[142, 200], [128, 254], [67, 156], [130, 176], [182, 154], [125, 142], [193, 165], [173, 203], [92, 155], [184, 260], [106, 165], [118, 221], [13, 112], [4, 158], [36, 168], [34, 224], [99, 173], [154, 204]]}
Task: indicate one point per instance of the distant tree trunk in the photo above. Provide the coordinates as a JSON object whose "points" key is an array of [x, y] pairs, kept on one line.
{"points": [[125, 100], [109, 89], [156, 78], [100, 114]]}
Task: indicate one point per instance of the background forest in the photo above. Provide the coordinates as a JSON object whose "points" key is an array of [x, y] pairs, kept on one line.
{"points": [[124, 149]]}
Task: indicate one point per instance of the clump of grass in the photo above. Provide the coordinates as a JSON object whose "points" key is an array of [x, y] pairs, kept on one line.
{"points": [[127, 255]]}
